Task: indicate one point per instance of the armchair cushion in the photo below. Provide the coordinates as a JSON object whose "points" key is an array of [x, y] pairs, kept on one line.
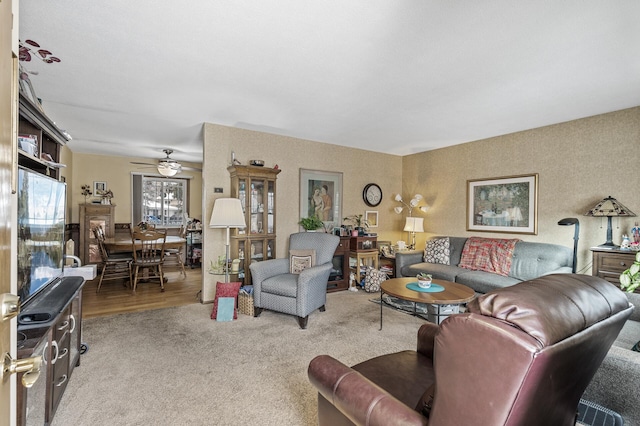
{"points": [[299, 260]]}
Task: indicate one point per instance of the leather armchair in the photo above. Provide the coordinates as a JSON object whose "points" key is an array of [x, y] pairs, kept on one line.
{"points": [[276, 289], [520, 355]]}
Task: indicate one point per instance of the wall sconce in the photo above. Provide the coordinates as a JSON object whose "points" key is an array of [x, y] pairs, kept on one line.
{"points": [[609, 207], [412, 224]]}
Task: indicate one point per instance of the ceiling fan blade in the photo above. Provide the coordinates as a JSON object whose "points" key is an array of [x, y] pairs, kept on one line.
{"points": [[192, 169], [142, 164]]}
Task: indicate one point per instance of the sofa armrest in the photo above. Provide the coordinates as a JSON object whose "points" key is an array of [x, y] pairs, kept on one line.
{"points": [[359, 399], [407, 258], [426, 339]]}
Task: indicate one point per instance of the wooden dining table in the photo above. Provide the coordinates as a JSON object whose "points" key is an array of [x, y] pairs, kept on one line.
{"points": [[116, 244]]}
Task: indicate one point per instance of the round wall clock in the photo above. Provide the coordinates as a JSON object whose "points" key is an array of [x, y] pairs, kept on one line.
{"points": [[372, 194]]}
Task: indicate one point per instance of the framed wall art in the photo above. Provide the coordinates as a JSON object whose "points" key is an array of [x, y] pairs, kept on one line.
{"points": [[503, 204], [371, 217], [321, 195], [99, 187]]}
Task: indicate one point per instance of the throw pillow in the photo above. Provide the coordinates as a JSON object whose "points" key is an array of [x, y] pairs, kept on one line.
{"points": [[299, 260], [226, 290], [372, 280], [437, 250]]}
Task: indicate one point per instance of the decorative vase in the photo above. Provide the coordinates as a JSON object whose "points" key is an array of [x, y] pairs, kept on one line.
{"points": [[424, 283], [354, 233]]}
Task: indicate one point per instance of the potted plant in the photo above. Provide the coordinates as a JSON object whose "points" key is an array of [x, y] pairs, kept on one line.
{"points": [[311, 223], [358, 222], [630, 279], [424, 280]]}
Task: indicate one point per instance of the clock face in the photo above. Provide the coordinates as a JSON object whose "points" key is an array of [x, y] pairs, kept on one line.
{"points": [[372, 194]]}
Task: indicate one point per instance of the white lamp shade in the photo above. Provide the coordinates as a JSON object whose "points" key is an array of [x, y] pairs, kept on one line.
{"points": [[227, 212], [414, 224], [398, 198], [398, 209]]}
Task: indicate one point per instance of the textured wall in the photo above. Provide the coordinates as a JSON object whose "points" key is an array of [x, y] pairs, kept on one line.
{"points": [[358, 167], [578, 163]]}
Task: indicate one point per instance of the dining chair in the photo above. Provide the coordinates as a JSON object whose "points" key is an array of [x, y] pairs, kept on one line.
{"points": [[174, 256], [114, 266], [148, 254]]}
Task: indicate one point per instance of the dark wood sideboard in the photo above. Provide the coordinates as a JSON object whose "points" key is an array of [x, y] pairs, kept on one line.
{"points": [[609, 264]]}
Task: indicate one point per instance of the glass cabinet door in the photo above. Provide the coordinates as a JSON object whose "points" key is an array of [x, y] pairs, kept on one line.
{"points": [[257, 206], [271, 196], [242, 196]]}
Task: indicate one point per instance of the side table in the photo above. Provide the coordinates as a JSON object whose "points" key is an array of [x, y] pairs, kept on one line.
{"points": [[368, 257], [609, 264]]}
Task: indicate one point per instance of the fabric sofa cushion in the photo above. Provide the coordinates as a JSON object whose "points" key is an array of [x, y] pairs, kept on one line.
{"points": [[441, 272], [484, 282], [488, 254], [437, 251]]}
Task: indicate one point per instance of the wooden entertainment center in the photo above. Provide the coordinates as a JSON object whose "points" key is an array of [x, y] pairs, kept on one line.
{"points": [[50, 321]]}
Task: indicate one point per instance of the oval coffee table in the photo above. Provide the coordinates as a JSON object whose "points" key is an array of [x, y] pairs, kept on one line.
{"points": [[453, 294]]}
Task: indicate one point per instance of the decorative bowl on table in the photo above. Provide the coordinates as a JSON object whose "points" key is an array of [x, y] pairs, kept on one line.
{"points": [[424, 280]]}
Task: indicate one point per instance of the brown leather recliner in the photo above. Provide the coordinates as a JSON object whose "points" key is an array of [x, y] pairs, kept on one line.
{"points": [[521, 355]]}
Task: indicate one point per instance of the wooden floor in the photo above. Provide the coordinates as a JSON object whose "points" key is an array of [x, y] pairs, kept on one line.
{"points": [[115, 298]]}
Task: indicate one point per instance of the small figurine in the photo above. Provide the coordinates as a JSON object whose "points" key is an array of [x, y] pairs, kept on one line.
{"points": [[352, 282], [626, 243]]}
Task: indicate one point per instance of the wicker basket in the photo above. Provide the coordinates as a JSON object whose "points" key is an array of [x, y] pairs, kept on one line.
{"points": [[245, 303]]}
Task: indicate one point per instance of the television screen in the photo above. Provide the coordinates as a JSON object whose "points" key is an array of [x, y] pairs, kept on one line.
{"points": [[41, 224]]}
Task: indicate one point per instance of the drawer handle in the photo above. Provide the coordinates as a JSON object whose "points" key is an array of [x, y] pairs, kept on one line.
{"points": [[54, 358], [623, 264], [62, 380], [63, 326], [64, 353], [73, 323]]}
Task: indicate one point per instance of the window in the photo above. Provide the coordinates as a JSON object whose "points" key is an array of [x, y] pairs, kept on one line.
{"points": [[160, 201]]}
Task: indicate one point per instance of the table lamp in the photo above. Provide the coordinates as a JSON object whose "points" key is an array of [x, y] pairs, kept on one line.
{"points": [[609, 207], [413, 225], [227, 213]]}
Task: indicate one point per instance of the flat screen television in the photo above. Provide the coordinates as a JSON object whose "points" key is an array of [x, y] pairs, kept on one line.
{"points": [[41, 225]]}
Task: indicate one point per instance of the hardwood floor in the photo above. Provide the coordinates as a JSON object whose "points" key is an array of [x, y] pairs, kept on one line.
{"points": [[115, 298]]}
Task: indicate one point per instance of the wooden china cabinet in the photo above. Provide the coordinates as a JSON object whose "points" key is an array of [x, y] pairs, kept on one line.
{"points": [[256, 188]]}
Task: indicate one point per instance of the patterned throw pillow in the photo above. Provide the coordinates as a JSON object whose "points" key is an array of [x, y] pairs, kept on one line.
{"points": [[437, 251], [372, 280], [299, 260], [225, 290]]}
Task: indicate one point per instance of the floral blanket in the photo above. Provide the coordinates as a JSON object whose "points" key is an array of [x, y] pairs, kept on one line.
{"points": [[488, 255]]}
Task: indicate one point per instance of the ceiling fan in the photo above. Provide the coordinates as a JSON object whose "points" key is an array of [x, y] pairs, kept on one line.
{"points": [[168, 166]]}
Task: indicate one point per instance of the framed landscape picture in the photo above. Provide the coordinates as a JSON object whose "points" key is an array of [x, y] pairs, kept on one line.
{"points": [[321, 195], [503, 204]]}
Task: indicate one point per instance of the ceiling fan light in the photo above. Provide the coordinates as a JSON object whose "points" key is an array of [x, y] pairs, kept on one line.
{"points": [[167, 169]]}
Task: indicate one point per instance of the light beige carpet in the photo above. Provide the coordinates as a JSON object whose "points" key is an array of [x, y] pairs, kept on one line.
{"points": [[178, 367]]}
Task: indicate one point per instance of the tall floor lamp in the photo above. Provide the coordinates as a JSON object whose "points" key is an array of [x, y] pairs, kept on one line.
{"points": [[227, 213], [567, 222]]}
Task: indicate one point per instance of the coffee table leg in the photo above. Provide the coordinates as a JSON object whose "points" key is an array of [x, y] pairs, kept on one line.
{"points": [[381, 293]]}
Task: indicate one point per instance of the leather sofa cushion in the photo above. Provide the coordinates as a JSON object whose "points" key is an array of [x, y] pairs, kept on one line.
{"points": [[406, 375], [570, 298]]}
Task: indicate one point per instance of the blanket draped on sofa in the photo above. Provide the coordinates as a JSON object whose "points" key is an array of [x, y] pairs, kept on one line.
{"points": [[488, 255]]}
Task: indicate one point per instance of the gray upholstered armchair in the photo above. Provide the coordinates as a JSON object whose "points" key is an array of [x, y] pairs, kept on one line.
{"points": [[276, 289]]}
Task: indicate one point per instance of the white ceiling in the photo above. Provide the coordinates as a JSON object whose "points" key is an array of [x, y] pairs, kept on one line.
{"points": [[394, 76]]}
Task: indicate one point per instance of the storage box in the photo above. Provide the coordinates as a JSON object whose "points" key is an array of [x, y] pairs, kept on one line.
{"points": [[438, 313], [28, 144], [245, 303]]}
